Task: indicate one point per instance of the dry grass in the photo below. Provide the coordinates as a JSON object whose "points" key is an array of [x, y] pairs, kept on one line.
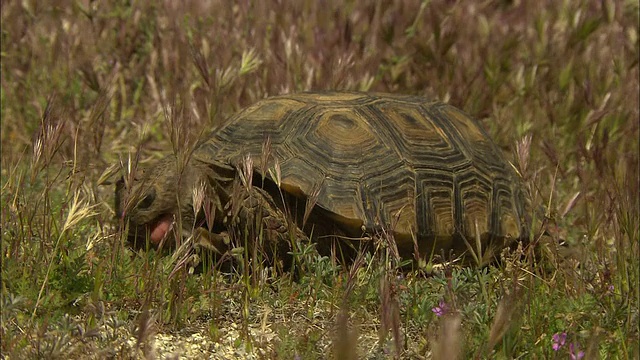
{"points": [[89, 85]]}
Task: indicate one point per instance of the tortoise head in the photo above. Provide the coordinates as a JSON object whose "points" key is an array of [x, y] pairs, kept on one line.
{"points": [[163, 194]]}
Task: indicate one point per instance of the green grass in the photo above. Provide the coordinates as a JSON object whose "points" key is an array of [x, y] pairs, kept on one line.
{"points": [[86, 87]]}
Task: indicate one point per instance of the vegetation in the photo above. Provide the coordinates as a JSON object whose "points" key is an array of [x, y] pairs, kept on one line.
{"points": [[89, 88]]}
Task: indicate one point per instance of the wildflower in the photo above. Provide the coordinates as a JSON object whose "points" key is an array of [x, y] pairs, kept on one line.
{"points": [[558, 340], [574, 352], [441, 309]]}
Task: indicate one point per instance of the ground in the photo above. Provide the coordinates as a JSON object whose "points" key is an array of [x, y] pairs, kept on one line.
{"points": [[91, 89]]}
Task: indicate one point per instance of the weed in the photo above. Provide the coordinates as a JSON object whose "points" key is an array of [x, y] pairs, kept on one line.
{"points": [[86, 85]]}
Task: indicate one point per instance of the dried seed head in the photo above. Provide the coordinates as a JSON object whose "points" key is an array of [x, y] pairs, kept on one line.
{"points": [[311, 202], [249, 63], [390, 311], [78, 211], [246, 173], [37, 152], [266, 155], [570, 204], [47, 142], [346, 339], [276, 173], [503, 318], [449, 344], [198, 195], [523, 149]]}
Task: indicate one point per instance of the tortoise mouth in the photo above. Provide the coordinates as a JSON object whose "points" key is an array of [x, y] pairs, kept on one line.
{"points": [[156, 231], [160, 228]]}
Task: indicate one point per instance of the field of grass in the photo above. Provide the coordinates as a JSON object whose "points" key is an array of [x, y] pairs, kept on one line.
{"points": [[87, 86]]}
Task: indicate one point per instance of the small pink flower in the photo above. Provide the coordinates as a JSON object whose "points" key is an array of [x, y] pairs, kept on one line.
{"points": [[574, 352], [441, 309], [558, 340]]}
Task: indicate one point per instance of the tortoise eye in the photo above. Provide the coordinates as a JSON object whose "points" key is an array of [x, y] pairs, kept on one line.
{"points": [[148, 199]]}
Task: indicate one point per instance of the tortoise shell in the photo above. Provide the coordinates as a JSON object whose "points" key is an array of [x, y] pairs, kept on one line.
{"points": [[423, 170]]}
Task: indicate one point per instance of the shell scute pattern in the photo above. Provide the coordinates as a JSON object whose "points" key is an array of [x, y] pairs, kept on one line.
{"points": [[424, 167]]}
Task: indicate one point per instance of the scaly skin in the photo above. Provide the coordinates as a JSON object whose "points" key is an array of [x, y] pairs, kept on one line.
{"points": [[164, 193], [157, 194]]}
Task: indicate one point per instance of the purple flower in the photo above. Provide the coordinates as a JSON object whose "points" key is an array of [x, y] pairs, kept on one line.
{"points": [[574, 352], [558, 340], [441, 309]]}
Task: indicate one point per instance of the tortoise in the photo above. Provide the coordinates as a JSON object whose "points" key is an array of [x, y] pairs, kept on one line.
{"points": [[342, 165]]}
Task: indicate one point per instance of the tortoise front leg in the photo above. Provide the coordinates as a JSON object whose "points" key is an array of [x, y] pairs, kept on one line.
{"points": [[263, 226]]}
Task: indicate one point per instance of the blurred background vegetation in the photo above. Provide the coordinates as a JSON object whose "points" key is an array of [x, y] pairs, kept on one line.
{"points": [[86, 85]]}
